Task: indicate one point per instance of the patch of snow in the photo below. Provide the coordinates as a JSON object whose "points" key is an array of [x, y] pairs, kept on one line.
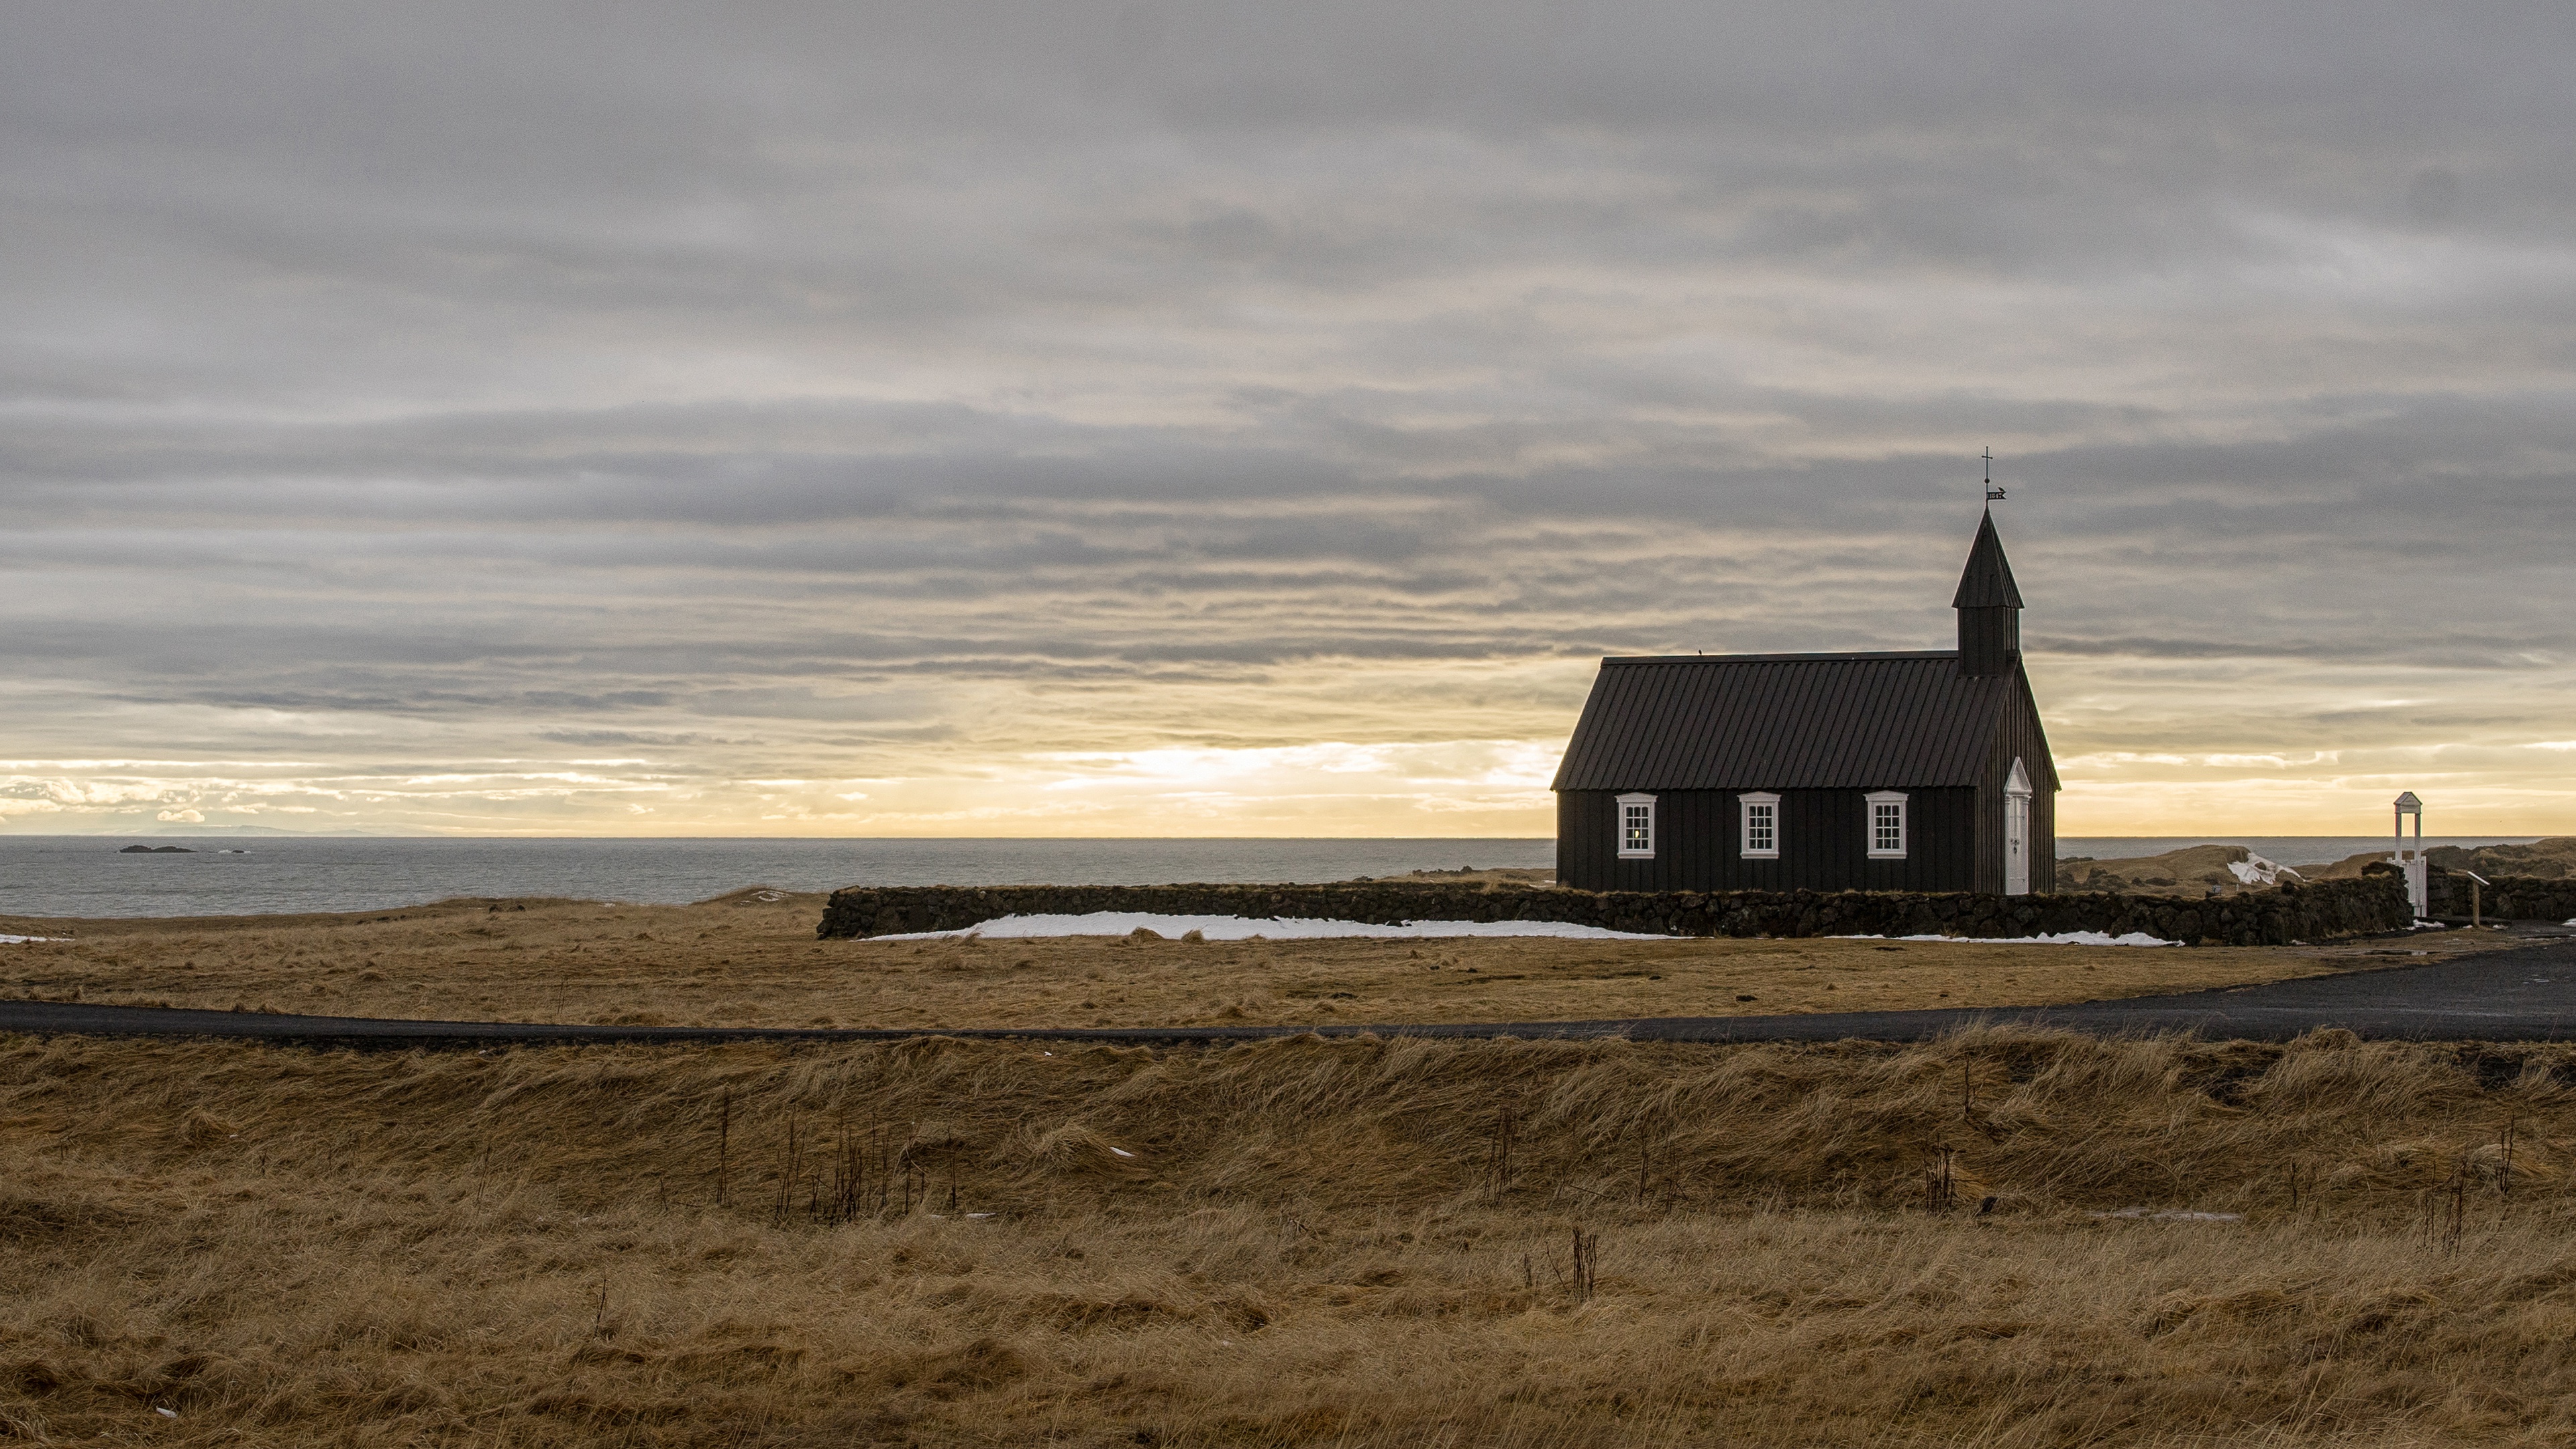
{"points": [[27, 940], [1241, 928], [2172, 1215], [2062, 938], [2255, 870]]}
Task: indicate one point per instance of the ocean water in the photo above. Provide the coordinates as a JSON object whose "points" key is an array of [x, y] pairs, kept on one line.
{"points": [[86, 876]]}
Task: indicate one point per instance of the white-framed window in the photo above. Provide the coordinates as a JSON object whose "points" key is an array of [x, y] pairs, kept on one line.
{"points": [[1887, 825], [1636, 827], [1761, 825]]}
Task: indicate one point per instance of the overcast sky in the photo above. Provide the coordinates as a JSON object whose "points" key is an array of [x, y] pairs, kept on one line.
{"points": [[1191, 419]]}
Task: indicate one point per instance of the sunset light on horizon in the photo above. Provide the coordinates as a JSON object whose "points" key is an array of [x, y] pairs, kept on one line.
{"points": [[1142, 421]]}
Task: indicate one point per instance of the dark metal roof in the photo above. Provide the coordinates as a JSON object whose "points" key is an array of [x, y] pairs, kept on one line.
{"points": [[1784, 722], [1987, 582]]}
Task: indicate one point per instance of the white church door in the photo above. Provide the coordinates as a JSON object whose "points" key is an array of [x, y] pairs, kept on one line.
{"points": [[2017, 832]]}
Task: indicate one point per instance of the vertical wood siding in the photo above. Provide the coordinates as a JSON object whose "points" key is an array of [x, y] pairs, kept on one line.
{"points": [[1824, 843], [2018, 735], [1955, 836]]}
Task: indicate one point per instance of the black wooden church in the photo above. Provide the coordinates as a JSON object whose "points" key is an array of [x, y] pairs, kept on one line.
{"points": [[1916, 771]]}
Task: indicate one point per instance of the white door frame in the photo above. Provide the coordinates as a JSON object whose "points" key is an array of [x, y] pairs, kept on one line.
{"points": [[2017, 832]]}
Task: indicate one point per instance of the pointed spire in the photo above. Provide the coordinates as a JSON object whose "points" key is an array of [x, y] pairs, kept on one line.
{"points": [[1987, 582], [1989, 608]]}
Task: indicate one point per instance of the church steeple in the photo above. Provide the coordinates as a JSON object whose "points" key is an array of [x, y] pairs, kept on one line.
{"points": [[1989, 607]]}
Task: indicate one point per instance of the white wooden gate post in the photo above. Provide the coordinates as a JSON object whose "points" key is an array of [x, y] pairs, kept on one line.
{"points": [[2418, 889]]}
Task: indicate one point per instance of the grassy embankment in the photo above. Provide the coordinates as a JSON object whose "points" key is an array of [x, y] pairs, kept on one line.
{"points": [[743, 961], [1300, 1242]]}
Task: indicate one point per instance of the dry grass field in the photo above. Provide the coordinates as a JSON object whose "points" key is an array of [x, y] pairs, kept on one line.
{"points": [[1364, 1242], [1301, 1242], [743, 960]]}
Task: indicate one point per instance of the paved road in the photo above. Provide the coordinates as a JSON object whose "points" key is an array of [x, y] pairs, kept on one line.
{"points": [[2527, 993]]}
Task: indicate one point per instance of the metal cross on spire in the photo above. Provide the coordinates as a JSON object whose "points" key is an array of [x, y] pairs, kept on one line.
{"points": [[1993, 493]]}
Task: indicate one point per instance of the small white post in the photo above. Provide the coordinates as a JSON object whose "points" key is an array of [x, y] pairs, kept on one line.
{"points": [[2418, 889]]}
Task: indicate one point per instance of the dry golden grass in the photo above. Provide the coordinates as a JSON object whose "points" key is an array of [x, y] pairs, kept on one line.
{"points": [[2190, 871], [744, 961], [1310, 1243]]}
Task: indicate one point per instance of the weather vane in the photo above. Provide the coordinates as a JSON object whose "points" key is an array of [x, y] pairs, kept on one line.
{"points": [[1993, 493]]}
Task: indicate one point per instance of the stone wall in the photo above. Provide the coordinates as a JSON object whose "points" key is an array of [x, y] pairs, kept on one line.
{"points": [[2504, 898], [2255, 918]]}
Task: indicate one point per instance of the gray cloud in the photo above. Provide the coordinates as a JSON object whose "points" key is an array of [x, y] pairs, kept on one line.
{"points": [[916, 392]]}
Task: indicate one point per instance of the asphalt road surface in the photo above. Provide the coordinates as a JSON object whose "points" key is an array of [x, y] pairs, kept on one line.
{"points": [[2525, 993]]}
